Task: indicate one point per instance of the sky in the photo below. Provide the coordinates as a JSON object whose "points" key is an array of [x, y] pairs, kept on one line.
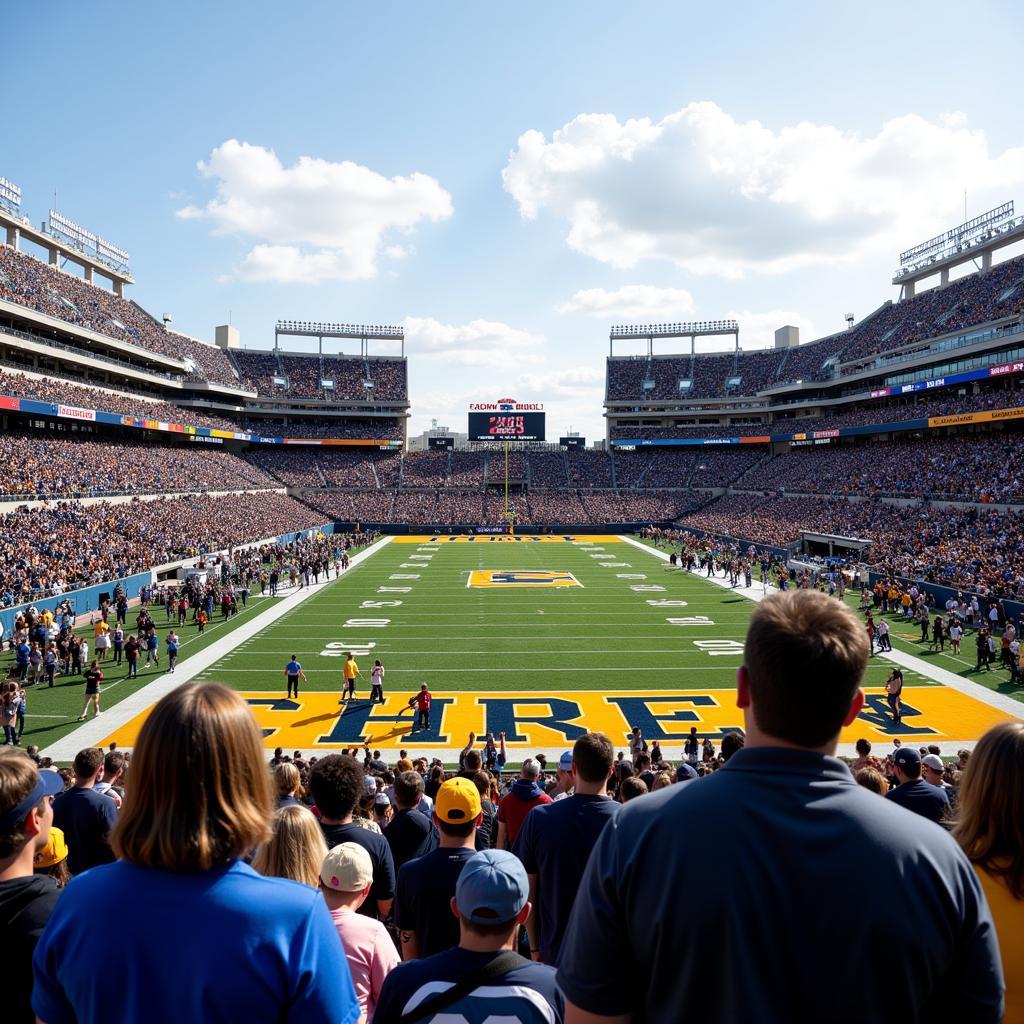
{"points": [[509, 181]]}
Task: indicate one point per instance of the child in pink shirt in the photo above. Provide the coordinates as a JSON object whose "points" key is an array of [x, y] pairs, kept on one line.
{"points": [[346, 877]]}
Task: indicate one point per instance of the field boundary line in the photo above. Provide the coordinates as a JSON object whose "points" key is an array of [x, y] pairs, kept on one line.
{"points": [[901, 658], [92, 732]]}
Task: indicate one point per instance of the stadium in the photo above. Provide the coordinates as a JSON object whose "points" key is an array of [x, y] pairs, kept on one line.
{"points": [[684, 642], [812, 457]]}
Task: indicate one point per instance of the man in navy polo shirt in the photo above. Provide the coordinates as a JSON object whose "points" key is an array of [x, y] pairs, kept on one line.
{"points": [[556, 840], [802, 858], [913, 792]]}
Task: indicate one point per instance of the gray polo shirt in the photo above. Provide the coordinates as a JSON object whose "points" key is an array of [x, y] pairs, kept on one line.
{"points": [[777, 889]]}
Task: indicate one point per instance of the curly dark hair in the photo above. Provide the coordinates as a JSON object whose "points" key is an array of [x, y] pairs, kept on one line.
{"points": [[336, 783]]}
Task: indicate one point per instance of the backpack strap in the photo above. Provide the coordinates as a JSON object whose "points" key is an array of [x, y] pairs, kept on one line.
{"points": [[501, 964]]}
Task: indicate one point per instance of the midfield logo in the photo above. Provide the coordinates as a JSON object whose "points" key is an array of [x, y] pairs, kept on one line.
{"points": [[521, 578]]}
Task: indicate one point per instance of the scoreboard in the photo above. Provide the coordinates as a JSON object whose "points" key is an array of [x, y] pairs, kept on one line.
{"points": [[506, 426], [444, 441]]}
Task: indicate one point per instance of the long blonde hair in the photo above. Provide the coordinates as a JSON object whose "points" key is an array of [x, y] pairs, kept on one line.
{"points": [[199, 794], [296, 849], [990, 827]]}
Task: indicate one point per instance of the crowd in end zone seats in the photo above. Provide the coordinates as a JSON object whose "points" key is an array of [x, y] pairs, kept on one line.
{"points": [[54, 389], [353, 506], [425, 469], [40, 466], [557, 507], [547, 470], [976, 467], [371, 429], [303, 375], [59, 547], [637, 506], [588, 468], [467, 468], [32, 283], [327, 466]]}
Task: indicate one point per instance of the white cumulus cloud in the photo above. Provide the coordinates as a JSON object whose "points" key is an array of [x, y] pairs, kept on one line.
{"points": [[482, 343], [711, 194], [316, 220], [631, 300]]}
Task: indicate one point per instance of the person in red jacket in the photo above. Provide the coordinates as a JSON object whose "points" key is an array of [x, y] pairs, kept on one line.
{"points": [[525, 794], [422, 704]]}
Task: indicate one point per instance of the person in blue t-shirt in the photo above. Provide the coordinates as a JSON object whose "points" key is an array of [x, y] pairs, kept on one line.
{"points": [[201, 936], [153, 649], [172, 650], [556, 839], [913, 792], [482, 977], [293, 673]]}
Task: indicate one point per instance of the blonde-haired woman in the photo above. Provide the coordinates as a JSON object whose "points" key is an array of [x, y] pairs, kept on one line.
{"points": [[296, 849], [990, 828], [288, 783], [202, 935]]}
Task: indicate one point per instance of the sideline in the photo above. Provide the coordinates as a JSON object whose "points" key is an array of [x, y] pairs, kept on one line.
{"points": [[92, 732], [976, 691]]}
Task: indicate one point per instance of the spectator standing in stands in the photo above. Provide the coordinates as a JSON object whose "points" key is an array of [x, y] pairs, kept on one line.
{"points": [[336, 783], [410, 833], [913, 792], [524, 795], [990, 829], [85, 816], [296, 848], [786, 803], [26, 899], [556, 839], [490, 901], [426, 885], [217, 941], [346, 877]]}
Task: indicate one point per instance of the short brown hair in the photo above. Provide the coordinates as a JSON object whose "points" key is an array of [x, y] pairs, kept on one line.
{"points": [[873, 779], [805, 656], [631, 788], [198, 794], [991, 826], [18, 777], [593, 755], [87, 762]]}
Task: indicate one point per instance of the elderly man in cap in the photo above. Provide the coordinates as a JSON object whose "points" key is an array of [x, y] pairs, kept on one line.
{"points": [[525, 794], [482, 977], [26, 899], [426, 884], [932, 770]]}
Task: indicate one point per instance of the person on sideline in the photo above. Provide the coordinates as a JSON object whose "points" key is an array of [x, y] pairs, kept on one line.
{"points": [[990, 829], [217, 941], [798, 831], [292, 674]]}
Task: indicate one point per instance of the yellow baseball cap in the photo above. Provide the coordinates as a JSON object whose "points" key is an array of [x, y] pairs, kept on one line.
{"points": [[457, 801], [55, 850]]}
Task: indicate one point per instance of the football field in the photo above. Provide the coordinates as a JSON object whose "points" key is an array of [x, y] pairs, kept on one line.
{"points": [[540, 638]]}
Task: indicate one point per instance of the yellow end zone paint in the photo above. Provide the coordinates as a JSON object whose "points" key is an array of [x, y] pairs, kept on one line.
{"points": [[504, 538], [931, 714], [521, 578]]}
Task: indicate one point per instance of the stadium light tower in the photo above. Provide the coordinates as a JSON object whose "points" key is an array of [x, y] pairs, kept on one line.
{"points": [[692, 330]]}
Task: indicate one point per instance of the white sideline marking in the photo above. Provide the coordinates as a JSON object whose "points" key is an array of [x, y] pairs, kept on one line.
{"points": [[934, 672], [92, 732]]}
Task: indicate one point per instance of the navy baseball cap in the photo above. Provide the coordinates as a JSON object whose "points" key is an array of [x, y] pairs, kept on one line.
{"points": [[685, 772], [906, 756], [48, 784], [492, 888]]}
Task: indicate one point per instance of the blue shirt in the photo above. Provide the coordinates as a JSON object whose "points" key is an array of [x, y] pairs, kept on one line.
{"points": [[423, 901], [525, 995], [217, 946], [86, 818], [778, 890], [554, 844], [931, 802], [293, 668]]}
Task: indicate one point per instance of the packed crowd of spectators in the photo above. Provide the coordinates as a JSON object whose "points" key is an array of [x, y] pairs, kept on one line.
{"points": [[57, 390], [60, 547], [40, 466], [303, 376], [425, 469], [352, 506], [974, 467], [547, 470], [327, 466], [878, 412], [32, 283], [588, 468], [378, 428]]}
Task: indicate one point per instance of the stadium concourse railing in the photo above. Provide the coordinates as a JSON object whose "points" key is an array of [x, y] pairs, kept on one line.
{"points": [[87, 599]]}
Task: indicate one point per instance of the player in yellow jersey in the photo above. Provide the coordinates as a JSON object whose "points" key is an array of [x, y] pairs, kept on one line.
{"points": [[350, 670]]}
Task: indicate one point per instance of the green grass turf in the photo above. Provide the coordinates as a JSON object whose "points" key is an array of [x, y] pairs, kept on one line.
{"points": [[602, 635]]}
